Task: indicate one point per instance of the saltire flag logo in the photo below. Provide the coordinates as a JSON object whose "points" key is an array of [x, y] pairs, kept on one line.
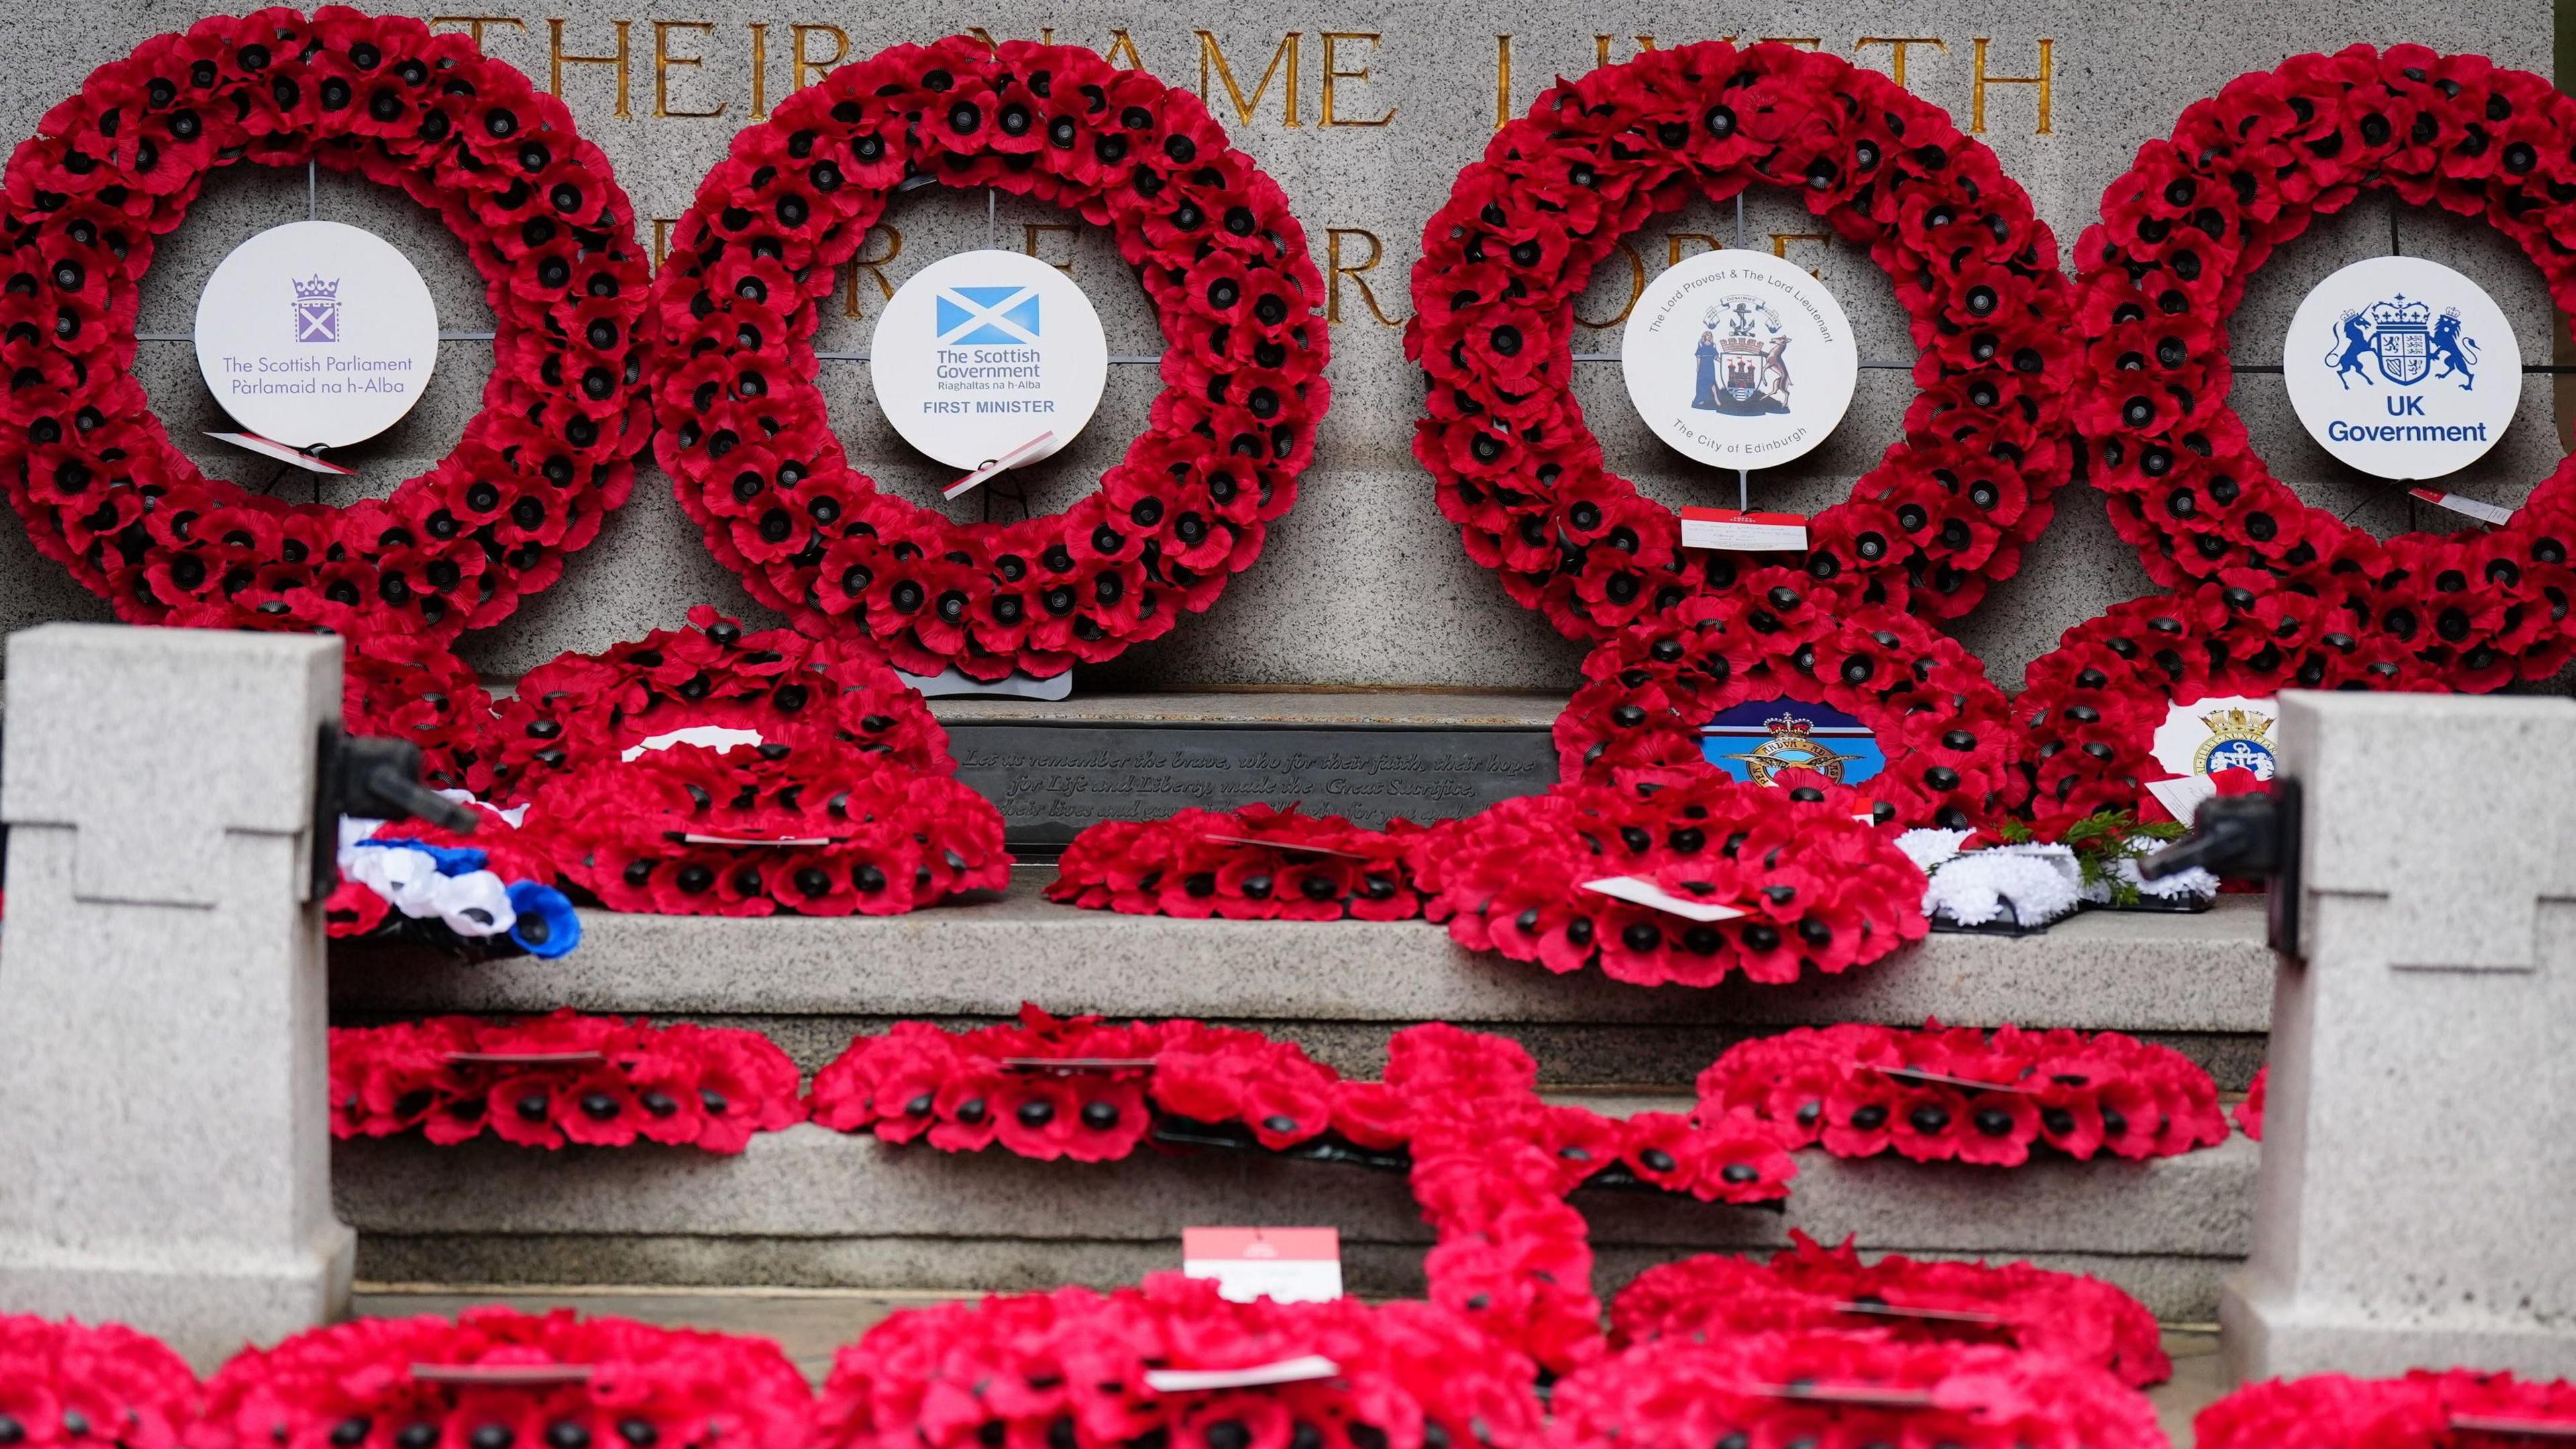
{"points": [[988, 317]]}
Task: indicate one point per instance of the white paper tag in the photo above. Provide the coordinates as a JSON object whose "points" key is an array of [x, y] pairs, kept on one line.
{"points": [[1284, 1265], [2182, 797], [272, 448], [1284, 847], [1639, 892], [1200, 1381], [1724, 528], [1013, 686], [739, 840], [719, 738], [2458, 503], [1033, 449]]}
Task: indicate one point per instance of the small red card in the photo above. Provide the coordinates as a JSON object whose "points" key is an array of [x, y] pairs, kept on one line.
{"points": [[1285, 1265]]}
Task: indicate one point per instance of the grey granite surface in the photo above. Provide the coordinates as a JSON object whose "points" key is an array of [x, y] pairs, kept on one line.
{"points": [[2136, 972], [2423, 1112], [164, 1115]]}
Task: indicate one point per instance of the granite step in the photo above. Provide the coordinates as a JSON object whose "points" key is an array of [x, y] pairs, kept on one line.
{"points": [[2202, 983], [812, 1208]]}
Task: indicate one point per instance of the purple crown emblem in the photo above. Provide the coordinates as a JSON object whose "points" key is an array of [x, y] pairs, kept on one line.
{"points": [[317, 309]]}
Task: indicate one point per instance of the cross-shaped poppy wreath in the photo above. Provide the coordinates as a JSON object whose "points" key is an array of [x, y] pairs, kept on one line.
{"points": [[91, 469]]}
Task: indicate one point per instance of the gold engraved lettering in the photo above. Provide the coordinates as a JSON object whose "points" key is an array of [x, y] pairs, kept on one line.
{"points": [[1601, 47], [557, 59], [1334, 72], [1502, 81], [663, 60], [2046, 80], [1811, 42], [1030, 231], [1212, 58], [759, 70], [1336, 271], [1673, 244], [1121, 43], [1636, 289], [474, 24], [873, 266], [662, 239], [1897, 46], [808, 68]]}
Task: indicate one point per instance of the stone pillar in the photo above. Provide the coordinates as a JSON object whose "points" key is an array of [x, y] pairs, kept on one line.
{"points": [[2417, 1200], [164, 1107]]}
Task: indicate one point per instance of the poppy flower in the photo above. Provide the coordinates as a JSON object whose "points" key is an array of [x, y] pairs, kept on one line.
{"points": [[2249, 1113]]}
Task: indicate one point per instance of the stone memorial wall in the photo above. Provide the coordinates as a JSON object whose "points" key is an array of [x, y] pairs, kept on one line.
{"points": [[1364, 112]]}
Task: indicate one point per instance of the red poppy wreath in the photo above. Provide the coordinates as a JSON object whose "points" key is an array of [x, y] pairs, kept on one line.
{"points": [[1830, 1388], [600, 1081], [1811, 888], [94, 474], [1967, 1095], [1808, 1288], [2095, 702], [1081, 1369], [128, 1385], [744, 433], [1255, 863], [579, 712], [547, 1378], [2424, 1410], [1945, 732], [706, 771], [1951, 506], [2245, 172]]}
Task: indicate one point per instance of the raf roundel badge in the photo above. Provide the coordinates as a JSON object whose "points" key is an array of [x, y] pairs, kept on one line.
{"points": [[1739, 359], [315, 334], [2402, 368], [1753, 739], [988, 359]]}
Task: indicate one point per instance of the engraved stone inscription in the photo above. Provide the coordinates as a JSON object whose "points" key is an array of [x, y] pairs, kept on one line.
{"points": [[1051, 780]]}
